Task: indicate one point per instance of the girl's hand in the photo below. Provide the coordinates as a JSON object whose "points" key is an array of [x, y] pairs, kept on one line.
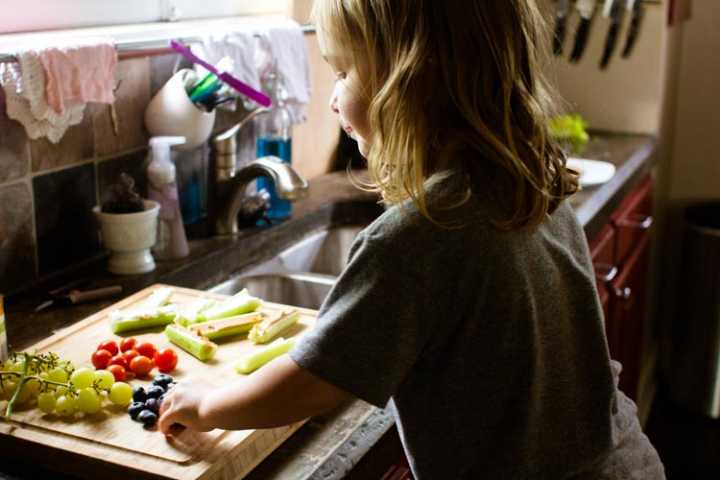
{"points": [[181, 406]]}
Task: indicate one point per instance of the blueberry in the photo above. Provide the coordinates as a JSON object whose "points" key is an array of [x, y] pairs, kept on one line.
{"points": [[135, 408], [160, 400], [139, 394], [155, 391], [152, 404], [162, 379], [147, 418]]}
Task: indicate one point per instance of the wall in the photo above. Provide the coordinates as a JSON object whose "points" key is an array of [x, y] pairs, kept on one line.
{"points": [[47, 191], [625, 97]]}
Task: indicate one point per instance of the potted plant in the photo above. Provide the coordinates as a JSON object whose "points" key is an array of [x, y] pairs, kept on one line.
{"points": [[128, 225]]}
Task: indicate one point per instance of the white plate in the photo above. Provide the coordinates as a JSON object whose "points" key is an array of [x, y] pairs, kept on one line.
{"points": [[592, 172]]}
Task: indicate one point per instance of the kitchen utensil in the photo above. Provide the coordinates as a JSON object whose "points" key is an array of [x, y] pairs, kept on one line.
{"points": [[586, 8], [561, 14], [592, 172], [615, 11], [74, 296], [241, 87], [637, 8]]}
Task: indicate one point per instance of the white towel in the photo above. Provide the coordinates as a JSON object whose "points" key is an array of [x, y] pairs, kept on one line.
{"points": [[256, 48]]}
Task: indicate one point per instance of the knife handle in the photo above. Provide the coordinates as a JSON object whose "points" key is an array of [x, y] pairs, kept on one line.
{"points": [[581, 36], [634, 29], [559, 36], [77, 296]]}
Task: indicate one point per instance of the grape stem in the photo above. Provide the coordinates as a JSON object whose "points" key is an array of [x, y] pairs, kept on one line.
{"points": [[23, 380]]}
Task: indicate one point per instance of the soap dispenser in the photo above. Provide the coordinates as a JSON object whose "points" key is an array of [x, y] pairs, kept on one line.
{"points": [[162, 187]]}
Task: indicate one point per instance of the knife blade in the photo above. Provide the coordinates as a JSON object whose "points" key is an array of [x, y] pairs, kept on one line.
{"points": [[638, 13], [615, 11], [561, 14], [586, 8]]}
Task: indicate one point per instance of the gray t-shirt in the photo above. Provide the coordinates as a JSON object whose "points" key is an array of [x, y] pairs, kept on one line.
{"points": [[490, 345]]}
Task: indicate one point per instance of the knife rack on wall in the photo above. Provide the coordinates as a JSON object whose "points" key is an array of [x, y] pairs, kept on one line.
{"points": [[615, 11]]}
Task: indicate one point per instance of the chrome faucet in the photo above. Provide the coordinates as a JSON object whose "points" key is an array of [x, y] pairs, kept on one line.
{"points": [[229, 184]]}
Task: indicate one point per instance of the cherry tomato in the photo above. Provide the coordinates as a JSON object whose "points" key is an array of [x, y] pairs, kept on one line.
{"points": [[166, 360], [118, 372], [101, 359], [127, 344], [146, 349], [141, 365], [108, 345], [119, 360], [128, 355]]}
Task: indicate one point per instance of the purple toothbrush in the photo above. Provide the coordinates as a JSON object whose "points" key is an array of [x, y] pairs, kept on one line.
{"points": [[241, 87]]}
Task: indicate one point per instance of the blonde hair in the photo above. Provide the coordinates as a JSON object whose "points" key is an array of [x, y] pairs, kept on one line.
{"points": [[455, 82]]}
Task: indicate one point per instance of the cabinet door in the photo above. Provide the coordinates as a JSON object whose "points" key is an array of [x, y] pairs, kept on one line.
{"points": [[602, 252], [632, 219], [628, 297]]}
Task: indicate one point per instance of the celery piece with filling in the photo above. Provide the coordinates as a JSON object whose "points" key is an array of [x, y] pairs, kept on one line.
{"points": [[125, 321], [192, 313], [199, 347], [228, 326], [241, 302], [252, 361], [271, 327]]}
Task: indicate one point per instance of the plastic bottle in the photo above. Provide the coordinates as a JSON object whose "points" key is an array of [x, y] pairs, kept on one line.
{"points": [[274, 138], [162, 187]]}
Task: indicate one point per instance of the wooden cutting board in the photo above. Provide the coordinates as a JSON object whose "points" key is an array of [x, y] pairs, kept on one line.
{"points": [[112, 437]]}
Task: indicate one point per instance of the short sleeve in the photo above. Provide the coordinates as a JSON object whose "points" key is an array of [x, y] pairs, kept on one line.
{"points": [[373, 325]]}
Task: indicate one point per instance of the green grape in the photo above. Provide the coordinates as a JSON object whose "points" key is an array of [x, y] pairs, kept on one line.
{"points": [[121, 393], [46, 402], [65, 405], [58, 374], [59, 391], [7, 389], [30, 390], [88, 401], [15, 367], [82, 378], [104, 379]]}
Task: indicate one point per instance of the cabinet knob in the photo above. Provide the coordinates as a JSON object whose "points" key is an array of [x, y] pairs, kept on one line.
{"points": [[623, 293], [640, 222], [605, 273]]}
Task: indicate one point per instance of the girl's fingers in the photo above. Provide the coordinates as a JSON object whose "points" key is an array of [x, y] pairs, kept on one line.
{"points": [[167, 419]]}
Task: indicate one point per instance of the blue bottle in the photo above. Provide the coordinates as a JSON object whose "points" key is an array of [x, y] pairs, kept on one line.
{"points": [[274, 138]]}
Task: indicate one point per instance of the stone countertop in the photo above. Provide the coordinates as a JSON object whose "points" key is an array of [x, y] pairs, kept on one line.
{"points": [[328, 446]]}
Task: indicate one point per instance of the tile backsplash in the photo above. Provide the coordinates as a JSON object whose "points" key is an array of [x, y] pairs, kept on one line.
{"points": [[47, 190]]}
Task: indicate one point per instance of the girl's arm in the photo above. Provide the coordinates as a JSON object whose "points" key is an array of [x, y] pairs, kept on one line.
{"points": [[278, 394]]}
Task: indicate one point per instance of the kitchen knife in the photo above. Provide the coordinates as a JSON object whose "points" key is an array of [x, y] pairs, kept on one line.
{"points": [[638, 13], [615, 10], [73, 297], [561, 14], [586, 8]]}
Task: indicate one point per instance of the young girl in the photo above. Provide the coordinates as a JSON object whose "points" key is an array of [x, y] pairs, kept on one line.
{"points": [[471, 301]]}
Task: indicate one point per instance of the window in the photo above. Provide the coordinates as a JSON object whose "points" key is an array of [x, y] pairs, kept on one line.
{"points": [[64, 14]]}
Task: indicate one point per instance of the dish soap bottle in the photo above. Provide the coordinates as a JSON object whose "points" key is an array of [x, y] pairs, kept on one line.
{"points": [[162, 187], [3, 333], [274, 138]]}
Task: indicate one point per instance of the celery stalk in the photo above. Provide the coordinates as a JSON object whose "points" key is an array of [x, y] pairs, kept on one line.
{"points": [[199, 347], [270, 328], [252, 361], [228, 326], [158, 298], [191, 313], [140, 319], [241, 302]]}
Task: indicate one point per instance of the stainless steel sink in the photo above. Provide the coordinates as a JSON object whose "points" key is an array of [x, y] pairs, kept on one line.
{"points": [[323, 252], [300, 290], [301, 275]]}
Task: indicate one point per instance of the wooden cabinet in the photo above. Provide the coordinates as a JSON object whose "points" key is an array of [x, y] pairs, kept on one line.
{"points": [[620, 254]]}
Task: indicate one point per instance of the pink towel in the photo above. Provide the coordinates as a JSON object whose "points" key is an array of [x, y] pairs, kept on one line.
{"points": [[79, 74]]}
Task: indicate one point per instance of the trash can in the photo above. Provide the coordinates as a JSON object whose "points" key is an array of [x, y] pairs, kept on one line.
{"points": [[695, 358]]}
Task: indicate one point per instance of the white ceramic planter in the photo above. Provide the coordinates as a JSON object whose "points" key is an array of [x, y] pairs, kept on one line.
{"points": [[129, 237]]}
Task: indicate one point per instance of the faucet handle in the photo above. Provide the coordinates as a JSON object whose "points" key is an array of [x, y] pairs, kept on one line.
{"points": [[289, 184]]}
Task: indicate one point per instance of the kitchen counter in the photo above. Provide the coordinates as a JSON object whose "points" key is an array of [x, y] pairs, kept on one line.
{"points": [[328, 446]]}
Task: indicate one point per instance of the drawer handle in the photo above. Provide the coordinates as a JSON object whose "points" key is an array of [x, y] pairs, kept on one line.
{"points": [[641, 222], [605, 273], [623, 293]]}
